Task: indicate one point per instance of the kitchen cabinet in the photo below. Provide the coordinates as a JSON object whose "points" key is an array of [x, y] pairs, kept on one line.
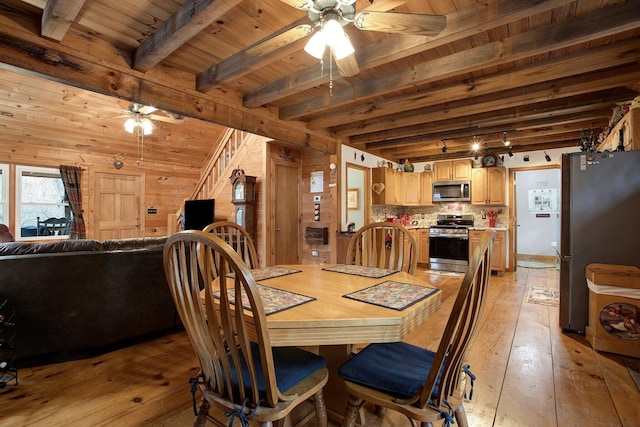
{"points": [[629, 126], [412, 189], [426, 188], [386, 185], [488, 186], [423, 246], [452, 170], [498, 254], [393, 187]]}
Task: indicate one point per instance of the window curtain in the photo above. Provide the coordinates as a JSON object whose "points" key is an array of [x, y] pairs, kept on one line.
{"points": [[72, 178]]}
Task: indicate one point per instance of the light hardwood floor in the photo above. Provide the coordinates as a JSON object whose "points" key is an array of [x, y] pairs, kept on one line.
{"points": [[528, 374]]}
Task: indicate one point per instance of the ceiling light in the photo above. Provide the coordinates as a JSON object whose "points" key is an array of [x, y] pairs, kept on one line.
{"points": [[444, 146], [547, 157], [330, 34], [510, 152], [315, 46], [343, 49], [137, 123], [475, 146]]}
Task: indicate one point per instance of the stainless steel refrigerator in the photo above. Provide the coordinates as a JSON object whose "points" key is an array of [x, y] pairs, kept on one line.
{"points": [[599, 223]]}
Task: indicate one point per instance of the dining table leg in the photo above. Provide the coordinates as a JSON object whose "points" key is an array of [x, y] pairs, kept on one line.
{"points": [[335, 393]]}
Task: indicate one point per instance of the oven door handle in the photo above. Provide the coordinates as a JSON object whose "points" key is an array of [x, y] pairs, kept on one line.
{"points": [[444, 236]]}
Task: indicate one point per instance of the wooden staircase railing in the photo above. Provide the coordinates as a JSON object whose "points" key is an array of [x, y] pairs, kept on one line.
{"points": [[214, 171]]}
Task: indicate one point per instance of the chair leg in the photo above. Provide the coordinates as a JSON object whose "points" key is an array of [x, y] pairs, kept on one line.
{"points": [[381, 411], [201, 418], [461, 416], [351, 412], [321, 410]]}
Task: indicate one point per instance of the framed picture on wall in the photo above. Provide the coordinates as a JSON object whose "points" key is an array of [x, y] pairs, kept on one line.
{"points": [[352, 198]]}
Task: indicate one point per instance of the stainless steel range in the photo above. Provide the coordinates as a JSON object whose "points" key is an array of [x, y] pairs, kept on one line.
{"points": [[449, 243]]}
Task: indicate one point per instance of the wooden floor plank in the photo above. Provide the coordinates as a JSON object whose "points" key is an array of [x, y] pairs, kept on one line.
{"points": [[582, 396], [525, 367]]}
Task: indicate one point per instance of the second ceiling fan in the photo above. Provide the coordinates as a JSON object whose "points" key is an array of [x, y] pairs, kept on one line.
{"points": [[329, 16]]}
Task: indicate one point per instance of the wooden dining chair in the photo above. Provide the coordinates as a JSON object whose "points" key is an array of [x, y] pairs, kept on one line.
{"points": [[384, 245], [423, 385], [241, 375], [238, 238]]}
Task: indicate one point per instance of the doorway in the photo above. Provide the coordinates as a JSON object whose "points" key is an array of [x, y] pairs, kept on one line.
{"points": [[117, 210], [357, 195], [535, 212], [284, 222]]}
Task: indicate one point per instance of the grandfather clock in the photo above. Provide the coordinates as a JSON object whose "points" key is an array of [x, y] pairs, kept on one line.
{"points": [[244, 198]]}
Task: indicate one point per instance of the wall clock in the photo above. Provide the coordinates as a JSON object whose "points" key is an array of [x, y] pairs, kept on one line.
{"points": [[489, 160]]}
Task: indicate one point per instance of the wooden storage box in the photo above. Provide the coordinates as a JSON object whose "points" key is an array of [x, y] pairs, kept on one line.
{"points": [[614, 308]]}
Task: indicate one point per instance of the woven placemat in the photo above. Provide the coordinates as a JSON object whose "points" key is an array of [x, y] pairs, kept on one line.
{"points": [[394, 295], [359, 270], [273, 300]]}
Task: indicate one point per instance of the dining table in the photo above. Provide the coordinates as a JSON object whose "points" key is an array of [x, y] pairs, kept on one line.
{"points": [[330, 308]]}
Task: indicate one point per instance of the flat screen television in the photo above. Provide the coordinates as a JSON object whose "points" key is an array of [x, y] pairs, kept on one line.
{"points": [[198, 213]]}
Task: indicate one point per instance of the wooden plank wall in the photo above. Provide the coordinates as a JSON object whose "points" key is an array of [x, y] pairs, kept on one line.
{"points": [[313, 161], [166, 185]]}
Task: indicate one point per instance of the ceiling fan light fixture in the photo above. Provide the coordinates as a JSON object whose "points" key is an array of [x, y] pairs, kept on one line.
{"points": [[147, 126], [316, 45], [343, 49], [333, 32], [144, 124], [130, 125]]}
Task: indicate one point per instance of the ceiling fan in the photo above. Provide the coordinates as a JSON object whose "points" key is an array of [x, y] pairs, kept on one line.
{"points": [[140, 118], [329, 16]]}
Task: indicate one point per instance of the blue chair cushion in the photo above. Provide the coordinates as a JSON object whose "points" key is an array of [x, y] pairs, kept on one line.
{"points": [[396, 368], [292, 365]]}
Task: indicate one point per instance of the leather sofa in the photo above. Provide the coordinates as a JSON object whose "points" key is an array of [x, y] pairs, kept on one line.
{"points": [[76, 296]]}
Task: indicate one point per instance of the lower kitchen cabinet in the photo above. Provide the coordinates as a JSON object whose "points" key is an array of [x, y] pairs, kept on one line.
{"points": [[498, 255], [423, 246]]}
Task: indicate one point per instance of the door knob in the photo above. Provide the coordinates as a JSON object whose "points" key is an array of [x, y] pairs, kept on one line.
{"points": [[277, 228]]}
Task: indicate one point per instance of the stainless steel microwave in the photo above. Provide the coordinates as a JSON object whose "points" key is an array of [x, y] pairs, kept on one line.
{"points": [[452, 191]]}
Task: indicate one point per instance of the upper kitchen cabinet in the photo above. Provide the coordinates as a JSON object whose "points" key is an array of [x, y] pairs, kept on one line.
{"points": [[412, 188], [627, 129], [426, 188], [386, 186], [488, 186], [452, 170]]}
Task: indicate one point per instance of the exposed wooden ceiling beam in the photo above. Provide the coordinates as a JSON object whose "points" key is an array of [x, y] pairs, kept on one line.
{"points": [[247, 61], [57, 17], [192, 17], [22, 49], [581, 29], [348, 121], [464, 22], [395, 126]]}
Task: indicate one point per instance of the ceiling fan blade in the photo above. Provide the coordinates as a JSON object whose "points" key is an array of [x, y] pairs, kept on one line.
{"points": [[134, 107], [405, 23], [280, 40], [169, 118], [347, 66], [298, 4], [145, 109]]}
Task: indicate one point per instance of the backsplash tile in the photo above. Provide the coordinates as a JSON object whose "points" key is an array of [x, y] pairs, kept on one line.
{"points": [[426, 215]]}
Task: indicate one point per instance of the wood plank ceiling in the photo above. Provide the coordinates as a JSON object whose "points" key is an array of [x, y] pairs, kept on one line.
{"points": [[542, 71]]}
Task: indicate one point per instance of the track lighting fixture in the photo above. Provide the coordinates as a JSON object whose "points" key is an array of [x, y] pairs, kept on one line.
{"points": [[510, 152], [547, 157], [444, 146]]}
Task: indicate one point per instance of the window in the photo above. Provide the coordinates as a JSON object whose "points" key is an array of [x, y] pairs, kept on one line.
{"points": [[40, 196], [4, 194]]}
